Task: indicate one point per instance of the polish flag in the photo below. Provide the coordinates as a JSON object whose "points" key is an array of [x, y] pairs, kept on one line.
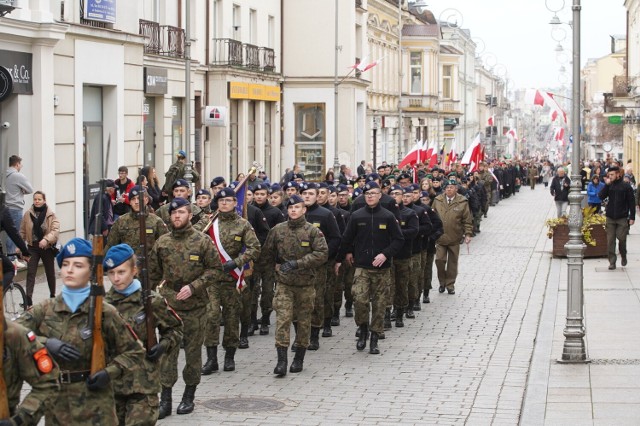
{"points": [[491, 121], [513, 134], [372, 64], [360, 65], [432, 154], [452, 157], [474, 155], [412, 157], [559, 134], [533, 97]]}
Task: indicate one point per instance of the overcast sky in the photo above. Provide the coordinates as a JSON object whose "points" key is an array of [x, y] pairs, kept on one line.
{"points": [[518, 33]]}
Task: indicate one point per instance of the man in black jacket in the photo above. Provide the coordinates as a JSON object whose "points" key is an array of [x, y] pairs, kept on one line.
{"points": [[620, 212], [386, 201], [560, 190]]}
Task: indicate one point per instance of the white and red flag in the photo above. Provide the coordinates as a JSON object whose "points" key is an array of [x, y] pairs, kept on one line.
{"points": [[452, 157], [474, 155], [512, 133], [413, 157], [491, 120]]}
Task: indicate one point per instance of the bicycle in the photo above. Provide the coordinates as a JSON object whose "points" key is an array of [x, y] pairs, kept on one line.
{"points": [[15, 299]]}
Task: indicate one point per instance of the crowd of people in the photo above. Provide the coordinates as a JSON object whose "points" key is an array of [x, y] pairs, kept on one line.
{"points": [[352, 246]]}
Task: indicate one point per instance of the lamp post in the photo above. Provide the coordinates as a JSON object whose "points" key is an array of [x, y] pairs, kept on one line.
{"points": [[336, 84], [574, 349], [188, 173], [400, 77]]}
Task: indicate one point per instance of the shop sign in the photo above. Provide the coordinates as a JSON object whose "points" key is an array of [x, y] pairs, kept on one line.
{"points": [[155, 81], [19, 65]]}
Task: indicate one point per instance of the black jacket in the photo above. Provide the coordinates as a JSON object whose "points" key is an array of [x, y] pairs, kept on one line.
{"points": [[424, 227], [621, 200], [560, 188], [258, 222], [437, 229], [273, 215], [370, 232], [324, 220], [338, 214], [6, 225], [386, 201], [410, 227]]}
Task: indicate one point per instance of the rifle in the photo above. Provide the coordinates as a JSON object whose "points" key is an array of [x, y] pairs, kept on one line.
{"points": [[144, 277], [4, 401]]}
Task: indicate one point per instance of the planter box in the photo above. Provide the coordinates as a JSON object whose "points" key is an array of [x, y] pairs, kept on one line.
{"points": [[561, 236]]}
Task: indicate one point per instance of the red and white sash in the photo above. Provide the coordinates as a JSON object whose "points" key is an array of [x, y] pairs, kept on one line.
{"points": [[236, 273]]}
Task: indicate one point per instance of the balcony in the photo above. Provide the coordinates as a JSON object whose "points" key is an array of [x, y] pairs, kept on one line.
{"points": [[450, 106], [419, 103], [229, 52], [164, 40], [621, 86]]}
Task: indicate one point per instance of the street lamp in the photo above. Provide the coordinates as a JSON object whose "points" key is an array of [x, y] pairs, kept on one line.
{"points": [[574, 349]]}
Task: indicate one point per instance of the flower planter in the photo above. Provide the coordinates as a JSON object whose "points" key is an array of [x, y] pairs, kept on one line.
{"points": [[561, 236]]}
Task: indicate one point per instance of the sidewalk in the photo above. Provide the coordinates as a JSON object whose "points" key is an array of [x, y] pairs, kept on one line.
{"points": [[605, 391]]}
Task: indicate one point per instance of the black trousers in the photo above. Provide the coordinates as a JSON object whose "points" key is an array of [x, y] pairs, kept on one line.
{"points": [[48, 259]]}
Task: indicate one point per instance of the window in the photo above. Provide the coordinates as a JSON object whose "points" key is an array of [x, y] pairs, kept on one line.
{"points": [[310, 139], [447, 84], [253, 23], [233, 137], [271, 42], [235, 22], [267, 138], [416, 73], [251, 132]]}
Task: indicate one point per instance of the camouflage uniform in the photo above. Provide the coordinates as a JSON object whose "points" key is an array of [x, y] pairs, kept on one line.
{"points": [[21, 352], [180, 258], [75, 403], [127, 230], [137, 393], [175, 172], [294, 240], [371, 288], [236, 234], [199, 220]]}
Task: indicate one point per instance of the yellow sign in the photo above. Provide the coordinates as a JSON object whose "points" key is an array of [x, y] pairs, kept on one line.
{"points": [[258, 92]]}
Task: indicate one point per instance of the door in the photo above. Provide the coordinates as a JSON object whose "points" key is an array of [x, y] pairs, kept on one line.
{"points": [[149, 114], [93, 165]]}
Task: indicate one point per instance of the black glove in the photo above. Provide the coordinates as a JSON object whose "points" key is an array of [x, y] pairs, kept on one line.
{"points": [[155, 352], [98, 381], [229, 266], [289, 265], [13, 421], [62, 350]]}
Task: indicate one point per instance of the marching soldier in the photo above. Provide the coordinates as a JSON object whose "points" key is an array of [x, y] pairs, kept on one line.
{"points": [[176, 172], [137, 393], [182, 189], [186, 262], [415, 283], [203, 200], [295, 249]]}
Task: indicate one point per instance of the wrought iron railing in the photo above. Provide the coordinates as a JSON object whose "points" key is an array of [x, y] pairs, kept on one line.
{"points": [[251, 56], [163, 40], [151, 31], [227, 51], [268, 59], [230, 52]]}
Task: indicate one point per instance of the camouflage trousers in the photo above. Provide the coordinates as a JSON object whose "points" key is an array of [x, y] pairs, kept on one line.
{"points": [[223, 294], [293, 302], [193, 321], [319, 284], [137, 409], [344, 282], [263, 288], [427, 263], [398, 291], [416, 277], [246, 303], [370, 292], [447, 265], [75, 404], [330, 289]]}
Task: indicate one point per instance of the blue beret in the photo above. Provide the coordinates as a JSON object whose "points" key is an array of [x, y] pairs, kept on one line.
{"points": [[276, 187], [225, 193], [261, 187], [176, 203], [369, 186], [203, 192], [217, 181], [414, 186], [407, 190], [116, 256], [404, 176], [361, 177], [341, 187], [356, 193], [332, 189], [77, 247], [292, 184], [135, 191], [298, 176], [424, 194], [180, 182], [386, 183], [181, 153], [372, 177], [294, 199], [322, 185], [307, 185], [395, 188]]}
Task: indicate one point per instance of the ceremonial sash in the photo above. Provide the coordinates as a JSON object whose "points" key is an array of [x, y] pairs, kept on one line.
{"points": [[236, 273]]}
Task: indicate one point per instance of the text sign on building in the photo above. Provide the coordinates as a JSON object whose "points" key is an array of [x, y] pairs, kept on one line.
{"points": [[214, 116], [155, 81], [257, 92], [100, 10], [19, 65]]}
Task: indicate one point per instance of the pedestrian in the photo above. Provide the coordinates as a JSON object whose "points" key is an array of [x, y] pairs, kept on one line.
{"points": [[186, 263], [237, 244], [62, 321], [453, 210], [120, 198], [547, 173], [295, 250], [560, 186], [153, 187], [136, 392], [620, 212], [177, 171], [17, 185], [107, 210], [373, 236], [593, 189], [532, 174], [40, 230], [8, 268], [27, 360]]}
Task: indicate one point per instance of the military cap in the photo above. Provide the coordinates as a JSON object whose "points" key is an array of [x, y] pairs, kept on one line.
{"points": [[292, 184], [373, 176], [351, 182], [341, 187], [217, 181], [180, 182], [370, 186], [464, 179], [294, 199], [308, 185], [275, 187], [414, 186], [361, 177], [182, 154], [332, 189], [452, 182], [404, 176], [203, 192], [233, 184], [356, 193], [176, 203], [407, 190], [322, 185], [298, 176], [452, 174], [429, 176], [424, 194], [435, 169], [76, 247], [261, 187], [395, 188], [381, 167], [386, 183], [136, 190], [109, 183], [225, 193], [116, 256]]}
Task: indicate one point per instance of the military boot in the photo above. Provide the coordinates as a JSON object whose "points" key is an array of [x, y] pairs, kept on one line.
{"points": [[362, 339], [314, 341], [165, 403], [409, 312], [326, 330], [399, 319], [387, 318], [229, 363], [264, 327], [244, 340], [293, 345], [373, 345], [212, 361], [186, 405], [416, 304], [254, 324], [298, 360], [348, 309], [425, 297], [393, 314], [281, 366], [335, 319]]}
